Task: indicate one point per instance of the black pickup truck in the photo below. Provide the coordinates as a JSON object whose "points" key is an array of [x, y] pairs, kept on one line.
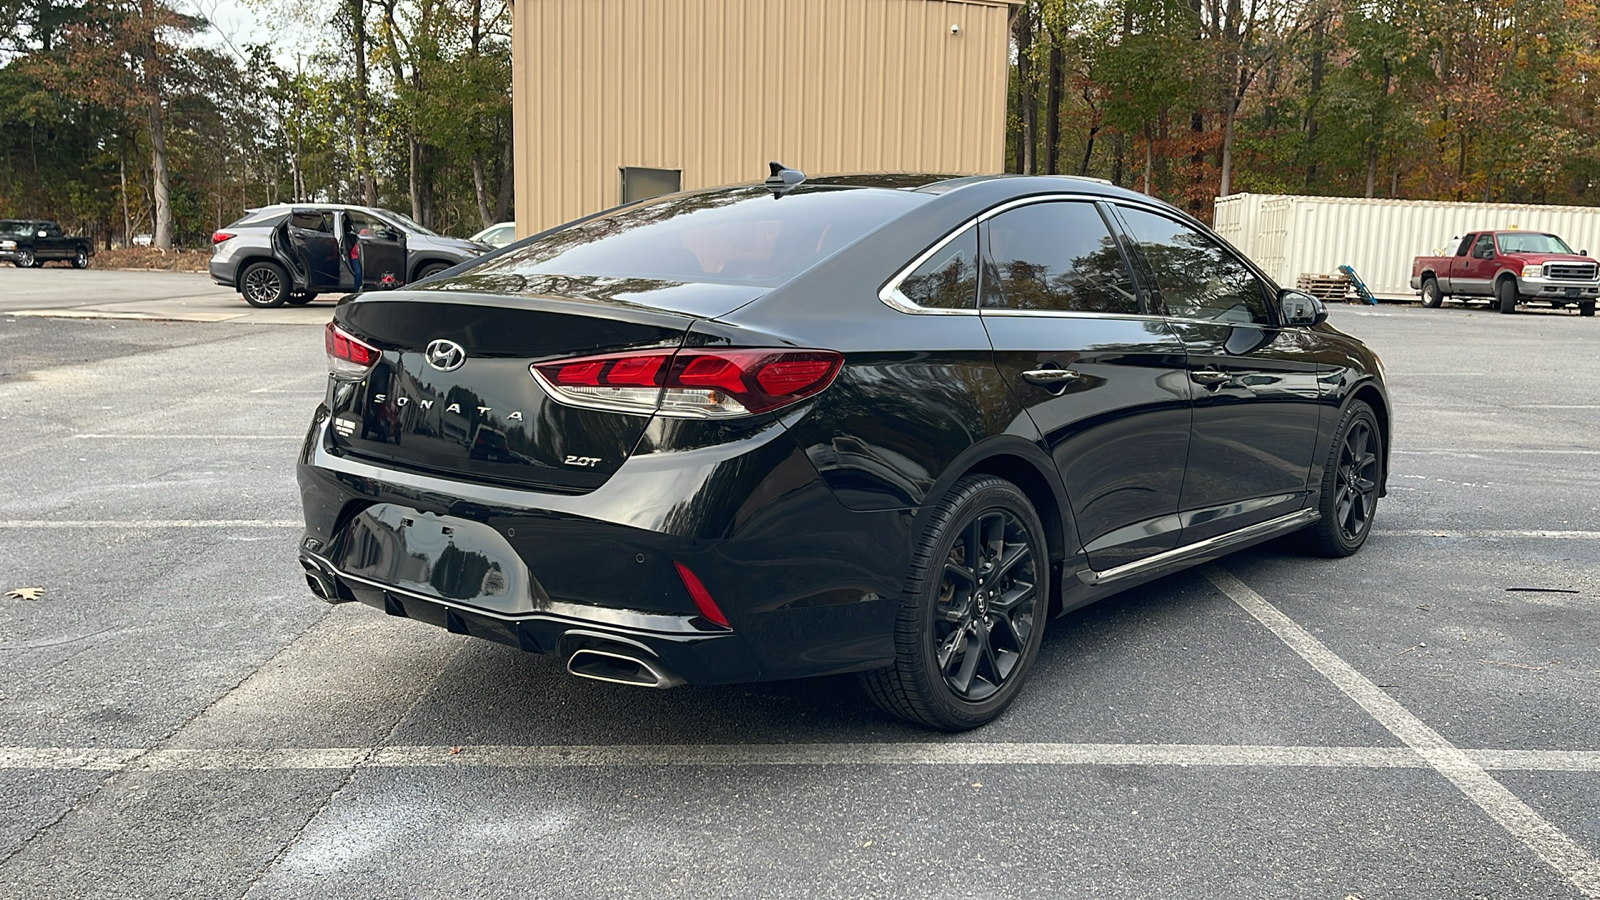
{"points": [[30, 242]]}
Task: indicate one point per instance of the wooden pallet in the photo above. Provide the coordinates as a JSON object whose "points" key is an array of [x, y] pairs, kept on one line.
{"points": [[1327, 288]]}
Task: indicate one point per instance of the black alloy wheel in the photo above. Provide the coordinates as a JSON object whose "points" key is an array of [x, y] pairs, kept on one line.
{"points": [[80, 260], [973, 610], [301, 298], [25, 260], [1431, 298], [264, 285], [1350, 483], [1505, 292]]}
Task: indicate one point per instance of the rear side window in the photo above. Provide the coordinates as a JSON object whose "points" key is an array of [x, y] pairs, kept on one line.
{"points": [[733, 236], [1197, 277], [949, 278], [1057, 257]]}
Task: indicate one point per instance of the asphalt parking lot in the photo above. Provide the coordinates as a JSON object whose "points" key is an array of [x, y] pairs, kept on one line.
{"points": [[180, 718]]}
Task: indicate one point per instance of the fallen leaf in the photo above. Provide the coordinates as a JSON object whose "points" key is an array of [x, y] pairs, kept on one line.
{"points": [[25, 593], [454, 750]]}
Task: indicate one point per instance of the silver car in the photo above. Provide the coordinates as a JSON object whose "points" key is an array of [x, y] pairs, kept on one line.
{"points": [[253, 256]]}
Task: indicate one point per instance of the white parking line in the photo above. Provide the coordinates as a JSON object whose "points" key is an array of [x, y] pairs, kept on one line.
{"points": [[1488, 533], [30, 524], [188, 437], [1533, 830], [1472, 451], [722, 755]]}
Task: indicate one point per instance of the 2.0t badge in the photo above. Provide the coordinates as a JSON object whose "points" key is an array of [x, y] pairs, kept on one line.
{"points": [[446, 356]]}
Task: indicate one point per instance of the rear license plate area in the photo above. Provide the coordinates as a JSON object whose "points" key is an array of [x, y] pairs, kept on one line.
{"points": [[440, 557]]}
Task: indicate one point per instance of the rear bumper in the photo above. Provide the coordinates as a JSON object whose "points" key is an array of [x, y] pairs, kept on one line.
{"points": [[221, 274], [689, 651], [808, 586]]}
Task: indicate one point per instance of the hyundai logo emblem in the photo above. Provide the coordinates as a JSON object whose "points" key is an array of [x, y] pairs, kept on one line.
{"points": [[446, 356]]}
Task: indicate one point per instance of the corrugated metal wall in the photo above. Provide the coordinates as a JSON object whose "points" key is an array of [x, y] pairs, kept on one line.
{"points": [[718, 87], [1294, 235], [1237, 217]]}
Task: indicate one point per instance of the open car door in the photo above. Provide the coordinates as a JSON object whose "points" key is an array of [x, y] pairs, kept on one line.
{"points": [[380, 251], [314, 247]]}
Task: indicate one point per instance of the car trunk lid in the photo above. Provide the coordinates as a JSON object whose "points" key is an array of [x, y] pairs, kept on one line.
{"points": [[451, 390]]}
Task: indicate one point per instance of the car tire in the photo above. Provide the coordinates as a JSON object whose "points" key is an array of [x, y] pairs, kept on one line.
{"points": [[966, 635], [301, 298], [430, 270], [1351, 481], [80, 260], [264, 285], [25, 260], [1431, 298], [1505, 292], [1585, 307]]}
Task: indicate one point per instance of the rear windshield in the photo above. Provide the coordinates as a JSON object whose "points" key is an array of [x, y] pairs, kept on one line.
{"points": [[730, 236], [1527, 242], [255, 216]]}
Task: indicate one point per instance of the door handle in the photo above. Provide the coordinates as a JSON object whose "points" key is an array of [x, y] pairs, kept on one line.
{"points": [[1209, 377], [1050, 379]]}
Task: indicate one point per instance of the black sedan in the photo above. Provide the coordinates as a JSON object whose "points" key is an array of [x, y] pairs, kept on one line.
{"points": [[878, 424]]}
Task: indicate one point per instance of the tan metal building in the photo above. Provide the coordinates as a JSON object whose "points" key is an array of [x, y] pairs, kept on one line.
{"points": [[614, 100]]}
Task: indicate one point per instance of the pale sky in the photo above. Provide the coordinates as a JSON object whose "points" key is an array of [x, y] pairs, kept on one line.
{"points": [[240, 23]]}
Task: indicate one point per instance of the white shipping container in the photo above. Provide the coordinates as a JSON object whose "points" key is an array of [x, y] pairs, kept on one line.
{"points": [[1290, 236]]}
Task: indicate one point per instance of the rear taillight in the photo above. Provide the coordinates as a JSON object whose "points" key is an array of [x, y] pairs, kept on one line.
{"points": [[348, 358], [218, 237], [691, 383]]}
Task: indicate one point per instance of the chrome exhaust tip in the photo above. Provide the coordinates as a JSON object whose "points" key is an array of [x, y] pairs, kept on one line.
{"points": [[321, 583], [620, 668]]}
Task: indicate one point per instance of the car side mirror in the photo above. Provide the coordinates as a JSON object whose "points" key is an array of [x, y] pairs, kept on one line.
{"points": [[1301, 309]]}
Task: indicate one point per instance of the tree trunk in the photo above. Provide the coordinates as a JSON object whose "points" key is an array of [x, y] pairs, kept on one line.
{"points": [[1088, 149], [1027, 163], [358, 116], [127, 220], [160, 182], [1118, 141], [1319, 30], [1372, 169], [1225, 184], [1149, 160], [478, 191], [415, 172], [1052, 112], [1197, 161], [508, 172]]}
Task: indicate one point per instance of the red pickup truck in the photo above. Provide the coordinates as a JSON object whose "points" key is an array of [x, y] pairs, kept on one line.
{"points": [[1510, 267]]}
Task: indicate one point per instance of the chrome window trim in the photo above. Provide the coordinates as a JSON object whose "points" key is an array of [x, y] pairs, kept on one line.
{"points": [[890, 293], [1069, 314]]}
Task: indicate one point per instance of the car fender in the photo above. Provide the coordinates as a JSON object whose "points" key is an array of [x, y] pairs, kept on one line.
{"points": [[1366, 386], [1022, 461]]}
